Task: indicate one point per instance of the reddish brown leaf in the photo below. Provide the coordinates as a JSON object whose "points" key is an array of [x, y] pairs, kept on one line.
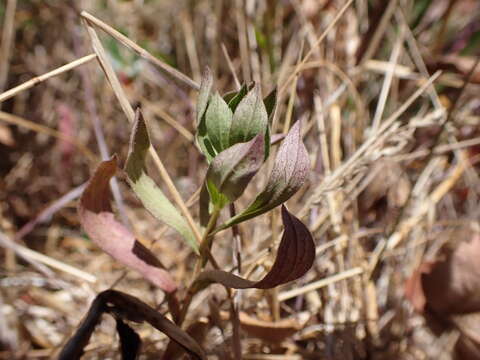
{"points": [[295, 257], [99, 223]]}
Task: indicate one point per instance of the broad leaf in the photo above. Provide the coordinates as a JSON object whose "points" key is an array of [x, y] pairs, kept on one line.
{"points": [[99, 223], [295, 257], [125, 307], [289, 173], [249, 119], [232, 169], [218, 119], [145, 188]]}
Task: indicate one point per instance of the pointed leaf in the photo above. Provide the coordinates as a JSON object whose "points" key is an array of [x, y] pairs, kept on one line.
{"points": [[295, 257], [204, 93], [114, 238], [270, 103], [218, 120], [145, 188], [234, 99], [232, 169], [289, 173], [249, 119]]}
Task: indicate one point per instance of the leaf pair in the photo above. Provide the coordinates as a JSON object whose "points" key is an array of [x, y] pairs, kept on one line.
{"points": [[126, 307], [145, 188], [295, 257], [98, 221], [237, 117], [289, 173]]}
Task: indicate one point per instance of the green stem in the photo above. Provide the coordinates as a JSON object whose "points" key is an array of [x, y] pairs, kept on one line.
{"points": [[205, 255]]}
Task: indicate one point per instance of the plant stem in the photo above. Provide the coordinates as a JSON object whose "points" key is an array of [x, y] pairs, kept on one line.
{"points": [[200, 263]]}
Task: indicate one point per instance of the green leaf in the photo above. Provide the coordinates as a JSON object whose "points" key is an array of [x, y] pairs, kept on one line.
{"points": [[249, 119], [232, 169], [295, 257], [289, 173], [270, 103], [145, 188], [233, 99], [218, 119]]}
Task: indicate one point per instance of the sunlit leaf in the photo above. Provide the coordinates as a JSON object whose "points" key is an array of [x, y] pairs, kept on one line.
{"points": [[289, 173], [232, 169], [218, 119], [145, 188], [249, 119], [295, 257], [111, 236]]}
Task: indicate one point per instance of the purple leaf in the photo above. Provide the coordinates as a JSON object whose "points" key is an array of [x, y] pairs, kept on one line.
{"points": [[232, 169], [295, 257], [289, 173], [111, 236]]}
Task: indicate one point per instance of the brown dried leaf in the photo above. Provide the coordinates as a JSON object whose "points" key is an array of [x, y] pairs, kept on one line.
{"points": [[271, 331], [295, 257], [99, 223]]}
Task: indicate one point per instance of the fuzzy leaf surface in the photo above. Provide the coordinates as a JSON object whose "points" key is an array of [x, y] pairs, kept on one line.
{"points": [[295, 257], [232, 169], [145, 188], [98, 221], [249, 119], [218, 119], [289, 173]]}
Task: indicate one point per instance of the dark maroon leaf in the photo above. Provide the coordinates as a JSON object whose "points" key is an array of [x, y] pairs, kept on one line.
{"points": [[126, 307], [130, 342], [295, 257]]}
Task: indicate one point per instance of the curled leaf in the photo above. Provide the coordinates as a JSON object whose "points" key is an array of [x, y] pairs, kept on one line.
{"points": [[249, 119], [295, 257], [145, 188], [218, 120], [232, 169], [126, 307], [111, 236], [289, 173]]}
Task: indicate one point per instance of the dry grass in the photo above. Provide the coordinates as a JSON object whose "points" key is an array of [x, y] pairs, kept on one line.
{"points": [[392, 128]]}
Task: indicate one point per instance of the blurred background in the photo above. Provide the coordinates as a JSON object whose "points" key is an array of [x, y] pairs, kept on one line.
{"points": [[416, 179]]}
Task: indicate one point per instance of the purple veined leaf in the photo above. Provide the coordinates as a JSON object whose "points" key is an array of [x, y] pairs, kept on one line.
{"points": [[125, 307], [295, 257], [218, 119], [202, 140], [145, 188], [250, 118], [289, 173], [111, 236], [232, 169]]}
